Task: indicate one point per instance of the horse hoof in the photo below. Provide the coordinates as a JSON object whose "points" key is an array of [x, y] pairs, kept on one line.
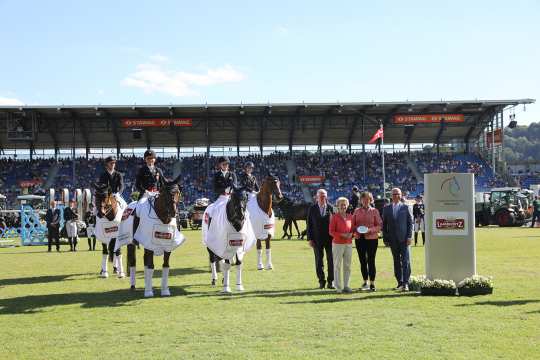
{"points": [[240, 287], [149, 294], [226, 290], [213, 282], [121, 275], [165, 292], [269, 267], [132, 288], [104, 274], [260, 267]]}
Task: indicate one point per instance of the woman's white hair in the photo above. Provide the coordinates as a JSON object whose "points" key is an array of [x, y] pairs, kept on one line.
{"points": [[342, 199]]}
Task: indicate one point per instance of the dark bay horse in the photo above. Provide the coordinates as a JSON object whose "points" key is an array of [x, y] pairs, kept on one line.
{"points": [[107, 207], [269, 188], [292, 212], [164, 205]]}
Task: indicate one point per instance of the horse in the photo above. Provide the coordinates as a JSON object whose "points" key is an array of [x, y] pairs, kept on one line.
{"points": [[155, 228], [263, 219], [292, 212], [230, 236], [109, 212]]}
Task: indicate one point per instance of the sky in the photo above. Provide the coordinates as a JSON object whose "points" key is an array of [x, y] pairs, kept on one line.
{"points": [[215, 52]]}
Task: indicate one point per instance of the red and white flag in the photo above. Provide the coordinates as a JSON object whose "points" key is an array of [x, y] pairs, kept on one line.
{"points": [[378, 135]]}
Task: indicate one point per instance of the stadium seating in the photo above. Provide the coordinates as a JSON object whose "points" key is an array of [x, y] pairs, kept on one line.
{"points": [[340, 170]]}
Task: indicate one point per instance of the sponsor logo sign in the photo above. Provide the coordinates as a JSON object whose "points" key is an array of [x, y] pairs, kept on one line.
{"points": [[428, 119], [157, 122]]}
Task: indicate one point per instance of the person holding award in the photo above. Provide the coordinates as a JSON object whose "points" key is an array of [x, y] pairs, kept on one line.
{"points": [[367, 223]]}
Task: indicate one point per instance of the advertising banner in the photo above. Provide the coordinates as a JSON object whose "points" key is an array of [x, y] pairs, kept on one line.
{"points": [[428, 118], [165, 122]]}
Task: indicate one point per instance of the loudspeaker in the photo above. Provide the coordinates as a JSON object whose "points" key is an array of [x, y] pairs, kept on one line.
{"points": [[512, 124]]}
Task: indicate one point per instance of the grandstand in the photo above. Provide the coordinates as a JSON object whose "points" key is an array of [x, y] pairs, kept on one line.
{"points": [[306, 144]]}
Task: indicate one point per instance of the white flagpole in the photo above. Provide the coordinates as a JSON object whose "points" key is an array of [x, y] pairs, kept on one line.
{"points": [[382, 159]]}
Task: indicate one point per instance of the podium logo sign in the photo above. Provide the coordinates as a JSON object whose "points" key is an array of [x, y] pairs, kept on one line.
{"points": [[450, 223], [452, 186]]}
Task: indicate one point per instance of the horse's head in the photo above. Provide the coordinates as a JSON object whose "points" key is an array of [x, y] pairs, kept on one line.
{"points": [[167, 200], [236, 208], [273, 184], [105, 201]]}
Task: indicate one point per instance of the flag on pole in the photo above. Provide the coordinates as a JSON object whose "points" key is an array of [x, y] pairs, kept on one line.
{"points": [[378, 135]]}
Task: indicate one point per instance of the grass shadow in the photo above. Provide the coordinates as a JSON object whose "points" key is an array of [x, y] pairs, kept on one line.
{"points": [[37, 303], [346, 298], [503, 303], [40, 279]]}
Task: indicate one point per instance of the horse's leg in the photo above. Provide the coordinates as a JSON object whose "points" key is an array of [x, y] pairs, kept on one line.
{"points": [[269, 265], [104, 256], [119, 263], [132, 263], [226, 272], [259, 255], [239, 285], [285, 226], [213, 259], [296, 227], [148, 272], [165, 275], [110, 248]]}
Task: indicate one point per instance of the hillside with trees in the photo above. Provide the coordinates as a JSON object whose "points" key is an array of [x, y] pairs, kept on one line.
{"points": [[522, 143]]}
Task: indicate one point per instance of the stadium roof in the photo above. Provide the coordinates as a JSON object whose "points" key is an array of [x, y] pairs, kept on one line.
{"points": [[289, 124]]}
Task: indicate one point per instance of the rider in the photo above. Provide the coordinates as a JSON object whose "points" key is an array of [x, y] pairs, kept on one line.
{"points": [[224, 179], [113, 179], [149, 177], [247, 180]]}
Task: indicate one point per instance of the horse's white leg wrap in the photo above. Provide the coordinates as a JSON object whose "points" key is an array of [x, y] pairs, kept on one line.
{"points": [[104, 272], [165, 282], [132, 272], [239, 285], [214, 271], [226, 268], [148, 274], [269, 265], [120, 267], [259, 260]]}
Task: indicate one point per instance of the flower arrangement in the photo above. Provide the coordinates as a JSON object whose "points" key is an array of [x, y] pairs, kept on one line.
{"points": [[415, 282], [476, 282], [439, 284], [438, 287], [475, 285]]}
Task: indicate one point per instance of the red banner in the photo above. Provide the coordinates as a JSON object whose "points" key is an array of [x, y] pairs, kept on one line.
{"points": [[311, 179], [138, 123], [28, 183], [498, 138], [428, 118]]}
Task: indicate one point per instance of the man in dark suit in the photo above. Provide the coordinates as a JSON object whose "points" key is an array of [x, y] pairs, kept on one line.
{"points": [[397, 234], [318, 221], [52, 217], [150, 177]]}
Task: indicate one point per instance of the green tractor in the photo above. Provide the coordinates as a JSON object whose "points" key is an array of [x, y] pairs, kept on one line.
{"points": [[504, 207]]}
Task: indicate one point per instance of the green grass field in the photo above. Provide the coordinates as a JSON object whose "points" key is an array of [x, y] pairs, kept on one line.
{"points": [[54, 306]]}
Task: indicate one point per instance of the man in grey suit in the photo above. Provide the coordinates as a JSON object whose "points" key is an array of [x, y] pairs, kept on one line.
{"points": [[397, 234]]}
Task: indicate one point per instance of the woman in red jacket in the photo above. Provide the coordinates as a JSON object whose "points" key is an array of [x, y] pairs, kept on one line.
{"points": [[341, 231], [366, 225]]}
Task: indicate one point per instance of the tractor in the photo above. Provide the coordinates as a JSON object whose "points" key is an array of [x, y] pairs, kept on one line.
{"points": [[503, 207]]}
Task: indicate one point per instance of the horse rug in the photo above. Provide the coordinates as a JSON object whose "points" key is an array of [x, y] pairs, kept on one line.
{"points": [[263, 225], [221, 237], [125, 231], [107, 230], [152, 234]]}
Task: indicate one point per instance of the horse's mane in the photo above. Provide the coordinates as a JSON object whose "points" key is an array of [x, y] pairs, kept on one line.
{"points": [[236, 208], [164, 204]]}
